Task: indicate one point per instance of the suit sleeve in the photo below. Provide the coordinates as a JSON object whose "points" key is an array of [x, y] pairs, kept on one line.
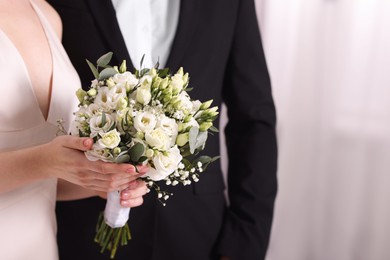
{"points": [[251, 144]]}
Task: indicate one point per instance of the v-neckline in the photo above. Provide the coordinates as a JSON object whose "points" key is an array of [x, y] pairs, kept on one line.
{"points": [[23, 63]]}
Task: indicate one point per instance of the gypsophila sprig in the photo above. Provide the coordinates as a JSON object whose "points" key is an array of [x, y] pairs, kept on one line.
{"points": [[146, 117]]}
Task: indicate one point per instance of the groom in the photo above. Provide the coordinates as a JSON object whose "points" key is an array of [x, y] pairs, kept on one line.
{"points": [[218, 43]]}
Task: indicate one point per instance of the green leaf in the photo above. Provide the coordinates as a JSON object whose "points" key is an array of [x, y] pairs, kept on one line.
{"points": [[192, 135], [157, 65], [106, 73], [122, 158], [136, 152], [104, 60], [143, 72], [142, 61], [104, 120], [142, 159], [163, 72], [93, 69], [214, 129]]}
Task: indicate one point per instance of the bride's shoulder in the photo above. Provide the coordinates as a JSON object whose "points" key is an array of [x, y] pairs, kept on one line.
{"points": [[52, 16]]}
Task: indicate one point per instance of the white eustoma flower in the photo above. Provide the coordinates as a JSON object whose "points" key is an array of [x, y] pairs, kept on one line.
{"points": [[104, 99], [144, 121], [165, 164], [170, 127], [184, 103], [109, 140], [127, 78], [158, 139], [124, 119], [96, 123]]}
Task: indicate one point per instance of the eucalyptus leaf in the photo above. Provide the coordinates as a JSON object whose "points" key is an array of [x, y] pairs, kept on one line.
{"points": [[157, 65], [192, 136], [201, 140], [163, 72], [136, 152], [214, 129], [142, 159], [104, 60], [93, 69], [122, 158], [143, 72], [106, 73], [104, 120], [142, 61]]}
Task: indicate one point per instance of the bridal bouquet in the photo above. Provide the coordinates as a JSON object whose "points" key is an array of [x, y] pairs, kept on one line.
{"points": [[147, 118]]}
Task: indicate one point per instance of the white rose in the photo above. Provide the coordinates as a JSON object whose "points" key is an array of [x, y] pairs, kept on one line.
{"points": [[127, 78], [96, 123], [145, 121], [158, 139], [165, 164], [170, 127], [109, 140]]}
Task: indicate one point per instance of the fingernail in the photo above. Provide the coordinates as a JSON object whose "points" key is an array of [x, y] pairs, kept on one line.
{"points": [[87, 142], [125, 194], [147, 190], [130, 169], [124, 203]]}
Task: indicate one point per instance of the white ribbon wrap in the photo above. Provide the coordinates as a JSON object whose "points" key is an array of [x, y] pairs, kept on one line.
{"points": [[114, 214]]}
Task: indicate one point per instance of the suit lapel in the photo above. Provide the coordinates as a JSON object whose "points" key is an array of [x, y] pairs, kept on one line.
{"points": [[110, 30], [188, 20]]}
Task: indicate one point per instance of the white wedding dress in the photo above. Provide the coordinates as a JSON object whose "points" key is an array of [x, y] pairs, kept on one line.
{"points": [[27, 216]]}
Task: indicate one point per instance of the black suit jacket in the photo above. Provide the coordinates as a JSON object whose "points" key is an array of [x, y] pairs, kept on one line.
{"points": [[218, 43]]}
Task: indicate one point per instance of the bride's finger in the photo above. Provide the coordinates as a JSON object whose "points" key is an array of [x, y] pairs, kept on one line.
{"points": [[132, 203]]}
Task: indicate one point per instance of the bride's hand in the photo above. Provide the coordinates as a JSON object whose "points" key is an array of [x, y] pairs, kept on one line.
{"points": [[133, 195], [64, 158]]}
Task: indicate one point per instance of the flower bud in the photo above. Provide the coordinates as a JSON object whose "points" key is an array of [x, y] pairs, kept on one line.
{"points": [[81, 94], [205, 126], [180, 71], [149, 153], [206, 105], [123, 67], [116, 150], [164, 83], [187, 118], [110, 83], [152, 72], [182, 139], [140, 135], [185, 79]]}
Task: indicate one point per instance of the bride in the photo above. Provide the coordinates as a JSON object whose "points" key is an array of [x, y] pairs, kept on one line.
{"points": [[37, 87]]}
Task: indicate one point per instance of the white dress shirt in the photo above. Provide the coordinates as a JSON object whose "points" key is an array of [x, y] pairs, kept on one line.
{"points": [[148, 27]]}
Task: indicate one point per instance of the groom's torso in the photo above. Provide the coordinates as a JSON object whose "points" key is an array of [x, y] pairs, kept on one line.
{"points": [[189, 225]]}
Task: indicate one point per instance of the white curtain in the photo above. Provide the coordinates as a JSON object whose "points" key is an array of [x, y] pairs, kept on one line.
{"points": [[329, 62]]}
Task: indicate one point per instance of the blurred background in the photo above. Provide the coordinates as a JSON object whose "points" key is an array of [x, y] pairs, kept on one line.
{"points": [[329, 62]]}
